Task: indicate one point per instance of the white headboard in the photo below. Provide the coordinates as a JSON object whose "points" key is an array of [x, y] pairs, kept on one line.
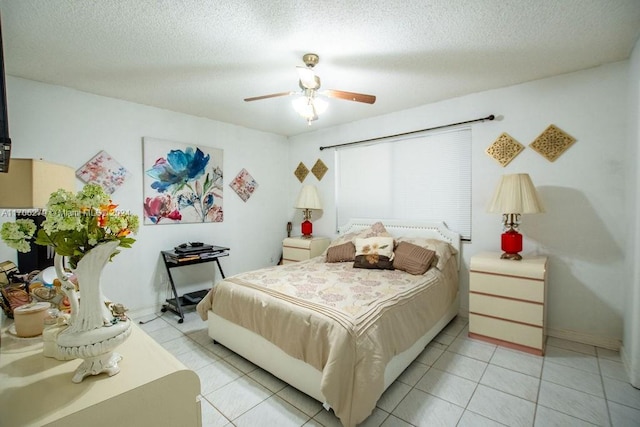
{"points": [[407, 228]]}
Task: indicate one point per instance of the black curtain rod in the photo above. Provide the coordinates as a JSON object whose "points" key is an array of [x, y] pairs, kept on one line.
{"points": [[491, 117]]}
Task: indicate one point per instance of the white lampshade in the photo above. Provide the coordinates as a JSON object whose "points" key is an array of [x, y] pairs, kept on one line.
{"points": [[308, 198], [516, 194], [30, 182]]}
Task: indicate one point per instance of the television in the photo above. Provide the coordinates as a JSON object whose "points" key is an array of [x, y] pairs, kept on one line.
{"points": [[5, 141]]}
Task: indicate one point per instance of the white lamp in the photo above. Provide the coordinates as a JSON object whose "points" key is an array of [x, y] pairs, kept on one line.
{"points": [[515, 195], [308, 199], [29, 183]]}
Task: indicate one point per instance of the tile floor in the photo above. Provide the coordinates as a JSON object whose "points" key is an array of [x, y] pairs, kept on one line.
{"points": [[456, 381]]}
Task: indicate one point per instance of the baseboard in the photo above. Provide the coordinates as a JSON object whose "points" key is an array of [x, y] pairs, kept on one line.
{"points": [[634, 376], [581, 337]]}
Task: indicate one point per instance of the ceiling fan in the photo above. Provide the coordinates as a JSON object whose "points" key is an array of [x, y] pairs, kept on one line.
{"points": [[308, 104]]}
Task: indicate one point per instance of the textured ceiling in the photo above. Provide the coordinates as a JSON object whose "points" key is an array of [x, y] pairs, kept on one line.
{"points": [[204, 57]]}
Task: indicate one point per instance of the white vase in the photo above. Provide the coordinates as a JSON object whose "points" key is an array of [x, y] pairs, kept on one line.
{"points": [[93, 332]]}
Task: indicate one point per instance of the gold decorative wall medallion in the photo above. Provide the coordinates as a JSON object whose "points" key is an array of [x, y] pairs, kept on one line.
{"points": [[504, 149], [301, 172], [552, 143], [319, 169]]}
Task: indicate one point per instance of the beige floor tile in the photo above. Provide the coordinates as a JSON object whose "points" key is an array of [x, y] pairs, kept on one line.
{"points": [[273, 411], [502, 407], [572, 402], [422, 409], [512, 382]]}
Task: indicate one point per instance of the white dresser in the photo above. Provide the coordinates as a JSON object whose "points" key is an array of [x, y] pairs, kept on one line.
{"points": [[152, 389], [507, 301], [296, 249]]}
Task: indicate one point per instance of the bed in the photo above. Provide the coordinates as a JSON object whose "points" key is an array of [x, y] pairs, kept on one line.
{"points": [[341, 334]]}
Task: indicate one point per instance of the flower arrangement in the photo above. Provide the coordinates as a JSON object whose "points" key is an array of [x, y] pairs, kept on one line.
{"points": [[74, 224]]}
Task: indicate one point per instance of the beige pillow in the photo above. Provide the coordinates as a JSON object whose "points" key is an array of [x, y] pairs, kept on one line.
{"points": [[412, 258], [374, 252], [443, 250], [376, 229], [345, 252]]}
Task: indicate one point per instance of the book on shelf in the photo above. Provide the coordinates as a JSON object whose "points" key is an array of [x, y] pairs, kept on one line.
{"points": [[177, 258]]}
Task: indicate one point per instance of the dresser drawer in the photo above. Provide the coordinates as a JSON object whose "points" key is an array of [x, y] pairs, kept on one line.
{"points": [[295, 254], [296, 249], [507, 286], [508, 332], [519, 311]]}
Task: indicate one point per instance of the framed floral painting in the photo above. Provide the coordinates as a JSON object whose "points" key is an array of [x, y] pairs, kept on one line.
{"points": [[103, 170], [244, 185], [182, 183]]}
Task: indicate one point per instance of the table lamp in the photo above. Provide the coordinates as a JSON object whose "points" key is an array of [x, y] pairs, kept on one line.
{"points": [[25, 189], [29, 183], [515, 195], [308, 199]]}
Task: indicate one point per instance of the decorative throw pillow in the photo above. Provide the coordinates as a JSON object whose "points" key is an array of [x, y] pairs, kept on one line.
{"points": [[443, 250], [345, 252], [374, 252], [412, 258], [374, 230]]}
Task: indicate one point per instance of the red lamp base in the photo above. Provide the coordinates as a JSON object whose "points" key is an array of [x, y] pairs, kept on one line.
{"points": [[511, 245], [307, 229]]}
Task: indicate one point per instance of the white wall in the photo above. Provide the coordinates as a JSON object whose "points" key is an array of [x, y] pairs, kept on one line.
{"points": [[631, 341], [583, 190], [66, 126]]}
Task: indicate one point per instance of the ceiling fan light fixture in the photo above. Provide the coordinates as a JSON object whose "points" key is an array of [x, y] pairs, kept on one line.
{"points": [[308, 107]]}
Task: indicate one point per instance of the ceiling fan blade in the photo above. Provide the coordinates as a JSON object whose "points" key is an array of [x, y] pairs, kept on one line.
{"points": [[350, 96], [273, 95], [308, 78]]}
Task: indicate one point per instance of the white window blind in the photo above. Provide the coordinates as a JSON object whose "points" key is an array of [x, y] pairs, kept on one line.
{"points": [[425, 177]]}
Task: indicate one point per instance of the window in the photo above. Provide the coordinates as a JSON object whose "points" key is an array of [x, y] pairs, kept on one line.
{"points": [[423, 177]]}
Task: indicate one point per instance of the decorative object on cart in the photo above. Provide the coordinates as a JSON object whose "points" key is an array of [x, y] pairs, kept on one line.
{"points": [[86, 230], [551, 143], [182, 183], [504, 149], [301, 172], [319, 169], [308, 199], [103, 170], [244, 185], [514, 196]]}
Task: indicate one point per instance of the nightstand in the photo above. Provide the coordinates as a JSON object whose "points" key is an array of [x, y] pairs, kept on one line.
{"points": [[507, 301], [296, 249]]}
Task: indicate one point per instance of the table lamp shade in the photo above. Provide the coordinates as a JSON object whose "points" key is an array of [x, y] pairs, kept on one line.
{"points": [[30, 182], [515, 195], [308, 199]]}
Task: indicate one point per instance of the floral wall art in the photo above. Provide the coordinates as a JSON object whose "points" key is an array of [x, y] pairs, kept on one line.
{"points": [[182, 183], [244, 185], [103, 170]]}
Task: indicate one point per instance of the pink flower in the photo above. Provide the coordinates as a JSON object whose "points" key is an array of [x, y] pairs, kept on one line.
{"points": [[160, 207]]}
